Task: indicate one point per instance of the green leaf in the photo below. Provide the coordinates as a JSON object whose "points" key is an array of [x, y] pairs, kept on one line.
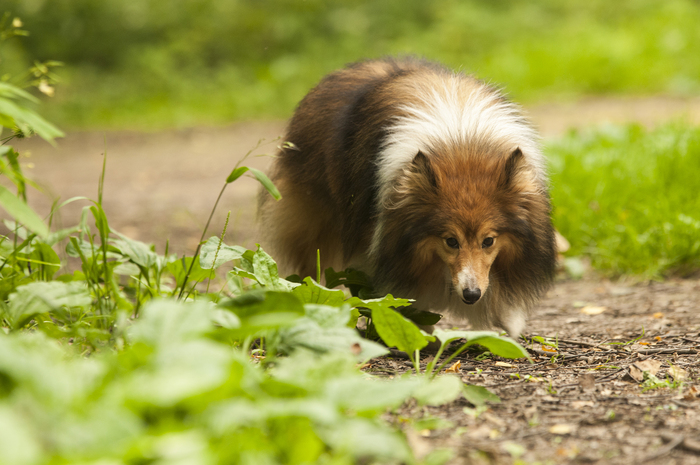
{"points": [[420, 317], [367, 395], [23, 213], [226, 253], [357, 281], [259, 175], [362, 438], [478, 395], [502, 346], [395, 330], [136, 251], [265, 270], [26, 120], [179, 268], [263, 310], [325, 329], [164, 322], [44, 297], [310, 292], [19, 445], [439, 390], [47, 260]]}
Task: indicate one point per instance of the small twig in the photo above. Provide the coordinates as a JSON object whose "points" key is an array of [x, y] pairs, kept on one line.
{"points": [[674, 442], [666, 351], [605, 378], [681, 403], [580, 343]]}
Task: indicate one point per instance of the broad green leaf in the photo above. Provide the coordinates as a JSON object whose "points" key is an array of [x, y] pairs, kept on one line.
{"points": [[367, 395], [357, 281], [223, 253], [420, 317], [439, 390], [164, 322], [478, 395], [44, 297], [263, 310], [395, 330], [387, 302], [362, 438], [498, 345], [310, 292], [19, 445], [179, 370], [23, 213], [325, 329], [136, 251], [265, 271]]}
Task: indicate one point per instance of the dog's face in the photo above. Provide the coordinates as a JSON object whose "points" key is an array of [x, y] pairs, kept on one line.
{"points": [[469, 202], [469, 258]]}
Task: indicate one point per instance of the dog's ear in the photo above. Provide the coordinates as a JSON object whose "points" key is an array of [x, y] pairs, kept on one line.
{"points": [[515, 163], [421, 165]]}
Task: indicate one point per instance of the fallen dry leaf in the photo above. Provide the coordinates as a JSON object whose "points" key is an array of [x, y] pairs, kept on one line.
{"points": [[549, 349], [579, 404], [691, 393], [593, 310], [637, 369], [561, 428], [658, 315], [456, 368], [587, 381], [504, 364], [678, 373]]}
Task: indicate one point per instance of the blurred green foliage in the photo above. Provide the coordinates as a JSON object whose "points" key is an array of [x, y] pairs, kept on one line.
{"points": [[156, 63], [628, 198]]}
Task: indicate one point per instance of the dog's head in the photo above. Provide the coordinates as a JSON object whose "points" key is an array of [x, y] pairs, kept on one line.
{"points": [[474, 212]]}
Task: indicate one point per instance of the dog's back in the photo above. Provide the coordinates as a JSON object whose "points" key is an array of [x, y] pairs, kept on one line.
{"points": [[326, 168]]}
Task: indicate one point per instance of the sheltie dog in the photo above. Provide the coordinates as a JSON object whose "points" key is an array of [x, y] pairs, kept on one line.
{"points": [[428, 180]]}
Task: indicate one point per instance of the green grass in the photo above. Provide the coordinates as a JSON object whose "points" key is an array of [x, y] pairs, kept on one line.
{"points": [[628, 198], [150, 66]]}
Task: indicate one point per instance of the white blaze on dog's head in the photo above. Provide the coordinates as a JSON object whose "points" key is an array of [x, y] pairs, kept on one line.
{"points": [[441, 109]]}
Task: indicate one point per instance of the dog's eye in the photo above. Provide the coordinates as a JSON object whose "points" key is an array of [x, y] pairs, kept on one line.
{"points": [[452, 242], [488, 242]]}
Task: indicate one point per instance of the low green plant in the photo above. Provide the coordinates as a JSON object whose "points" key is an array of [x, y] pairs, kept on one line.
{"points": [[118, 353]]}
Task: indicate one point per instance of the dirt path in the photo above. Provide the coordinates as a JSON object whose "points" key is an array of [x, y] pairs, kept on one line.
{"points": [[577, 404], [161, 186]]}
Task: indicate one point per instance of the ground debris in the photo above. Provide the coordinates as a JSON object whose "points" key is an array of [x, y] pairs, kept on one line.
{"points": [[578, 399]]}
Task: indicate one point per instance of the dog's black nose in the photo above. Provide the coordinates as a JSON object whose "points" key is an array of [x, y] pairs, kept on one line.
{"points": [[471, 295]]}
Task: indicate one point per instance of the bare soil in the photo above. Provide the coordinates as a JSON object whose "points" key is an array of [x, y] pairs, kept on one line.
{"points": [[578, 403]]}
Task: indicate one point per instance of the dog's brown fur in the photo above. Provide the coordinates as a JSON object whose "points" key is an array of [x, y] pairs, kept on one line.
{"points": [[471, 189]]}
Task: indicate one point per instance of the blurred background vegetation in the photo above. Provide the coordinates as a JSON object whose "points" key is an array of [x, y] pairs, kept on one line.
{"points": [[151, 64]]}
